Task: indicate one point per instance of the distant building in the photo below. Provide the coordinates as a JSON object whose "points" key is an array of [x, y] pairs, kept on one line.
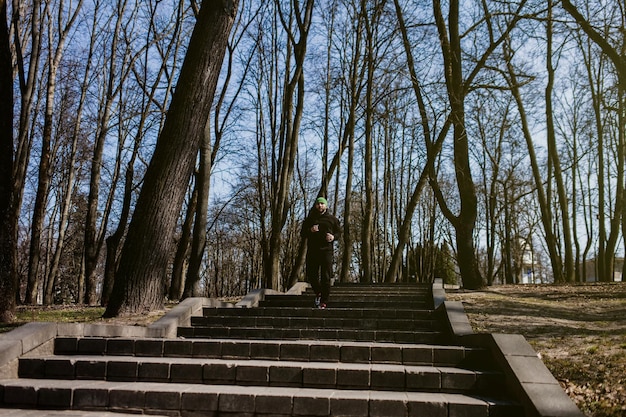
{"points": [[591, 270], [529, 263]]}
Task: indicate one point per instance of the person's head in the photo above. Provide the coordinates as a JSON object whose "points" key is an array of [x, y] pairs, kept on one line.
{"points": [[321, 204]]}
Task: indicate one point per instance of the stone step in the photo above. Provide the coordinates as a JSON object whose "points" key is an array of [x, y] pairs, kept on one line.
{"points": [[385, 377], [306, 351], [361, 313], [373, 291], [352, 297], [326, 323], [395, 285], [225, 400], [394, 336], [305, 301], [22, 412]]}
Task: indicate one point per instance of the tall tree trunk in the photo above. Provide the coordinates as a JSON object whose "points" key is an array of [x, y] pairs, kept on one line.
{"points": [[181, 257], [53, 66], [433, 150], [291, 117], [568, 261], [27, 83], [198, 243], [618, 59], [368, 204], [93, 241], [465, 221], [114, 241], [143, 264], [8, 237], [546, 213]]}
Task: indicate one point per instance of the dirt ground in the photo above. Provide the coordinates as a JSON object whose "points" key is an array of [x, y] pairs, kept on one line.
{"points": [[579, 331]]}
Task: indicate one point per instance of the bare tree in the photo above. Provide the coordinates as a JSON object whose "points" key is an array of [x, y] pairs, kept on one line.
{"points": [[8, 238], [567, 274], [210, 147], [27, 76], [276, 158], [615, 53], [143, 264], [166, 39], [54, 58]]}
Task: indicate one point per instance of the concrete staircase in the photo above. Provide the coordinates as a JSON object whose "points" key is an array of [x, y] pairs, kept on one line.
{"points": [[378, 350]]}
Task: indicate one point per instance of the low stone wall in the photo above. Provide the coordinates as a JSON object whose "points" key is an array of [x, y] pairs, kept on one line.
{"points": [[527, 377]]}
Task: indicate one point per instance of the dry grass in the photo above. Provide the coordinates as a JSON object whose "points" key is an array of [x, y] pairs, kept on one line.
{"points": [[579, 331], [78, 314]]}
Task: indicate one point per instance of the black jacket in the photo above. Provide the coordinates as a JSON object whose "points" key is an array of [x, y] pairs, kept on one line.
{"points": [[327, 224]]}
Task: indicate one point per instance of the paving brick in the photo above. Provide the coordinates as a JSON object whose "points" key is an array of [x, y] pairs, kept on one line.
{"points": [[127, 399], [122, 370], [206, 349], [199, 401], [417, 355], [249, 375], [60, 368], [422, 378], [453, 379], [219, 373], [315, 405], [386, 404], [322, 377], [153, 372], [177, 348], [163, 399], [65, 345], [349, 404], [148, 347], [285, 376], [355, 354], [236, 402], [275, 404], [31, 368], [260, 350], [91, 370], [386, 354], [186, 372], [467, 407], [91, 397], [289, 351], [325, 352], [353, 378], [427, 404], [387, 377], [54, 397], [20, 395], [92, 346], [446, 356], [236, 350], [121, 346]]}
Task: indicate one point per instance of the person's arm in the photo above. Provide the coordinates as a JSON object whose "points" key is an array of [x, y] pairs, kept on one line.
{"points": [[337, 229]]}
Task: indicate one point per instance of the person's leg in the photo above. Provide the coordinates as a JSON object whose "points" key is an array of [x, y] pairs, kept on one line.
{"points": [[312, 272], [326, 266]]}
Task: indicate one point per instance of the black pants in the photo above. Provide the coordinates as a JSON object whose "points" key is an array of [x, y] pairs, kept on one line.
{"points": [[319, 270]]}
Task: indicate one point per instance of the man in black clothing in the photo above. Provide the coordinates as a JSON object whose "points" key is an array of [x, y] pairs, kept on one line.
{"points": [[321, 230]]}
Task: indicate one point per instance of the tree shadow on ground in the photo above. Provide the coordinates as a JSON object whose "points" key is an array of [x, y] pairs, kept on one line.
{"points": [[540, 312]]}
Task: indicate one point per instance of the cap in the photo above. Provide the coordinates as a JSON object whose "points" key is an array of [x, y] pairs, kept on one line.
{"points": [[321, 200]]}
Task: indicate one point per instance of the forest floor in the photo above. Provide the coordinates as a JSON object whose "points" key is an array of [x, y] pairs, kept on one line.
{"points": [[579, 331]]}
